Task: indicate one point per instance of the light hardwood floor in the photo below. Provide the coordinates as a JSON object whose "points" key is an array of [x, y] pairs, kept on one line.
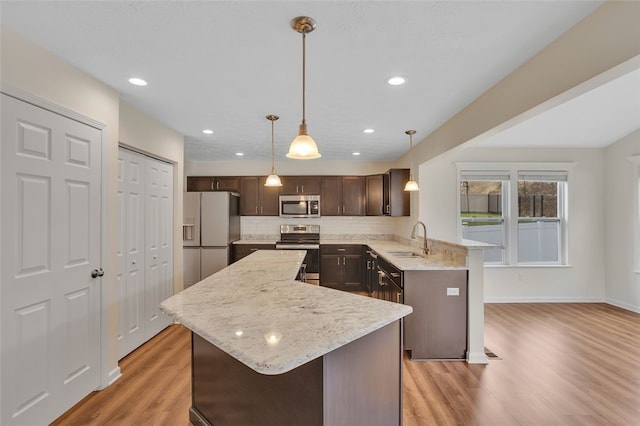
{"points": [[560, 364]]}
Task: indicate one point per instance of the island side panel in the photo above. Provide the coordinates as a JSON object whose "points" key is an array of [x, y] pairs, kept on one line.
{"points": [[363, 380], [227, 392]]}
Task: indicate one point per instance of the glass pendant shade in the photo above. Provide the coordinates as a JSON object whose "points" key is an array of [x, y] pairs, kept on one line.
{"points": [[303, 146], [273, 180], [411, 185]]}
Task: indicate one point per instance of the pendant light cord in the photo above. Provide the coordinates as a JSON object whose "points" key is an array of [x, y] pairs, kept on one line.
{"points": [[273, 168], [411, 155], [304, 51]]}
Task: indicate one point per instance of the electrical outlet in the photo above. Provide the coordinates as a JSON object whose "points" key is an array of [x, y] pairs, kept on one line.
{"points": [[453, 291]]}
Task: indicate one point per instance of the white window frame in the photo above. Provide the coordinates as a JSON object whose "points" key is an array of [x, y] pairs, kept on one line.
{"points": [[510, 205]]}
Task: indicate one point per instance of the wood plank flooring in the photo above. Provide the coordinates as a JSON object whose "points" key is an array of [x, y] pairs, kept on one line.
{"points": [[561, 364]]}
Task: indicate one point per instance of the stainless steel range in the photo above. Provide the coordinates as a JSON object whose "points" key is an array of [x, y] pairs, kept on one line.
{"points": [[303, 237]]}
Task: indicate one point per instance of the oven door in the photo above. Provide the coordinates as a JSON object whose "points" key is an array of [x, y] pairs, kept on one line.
{"points": [[311, 261]]}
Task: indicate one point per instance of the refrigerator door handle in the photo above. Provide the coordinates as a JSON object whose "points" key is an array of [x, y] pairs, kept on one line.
{"points": [[188, 231]]}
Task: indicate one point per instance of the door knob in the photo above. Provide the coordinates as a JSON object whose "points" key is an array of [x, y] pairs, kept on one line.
{"points": [[97, 273]]}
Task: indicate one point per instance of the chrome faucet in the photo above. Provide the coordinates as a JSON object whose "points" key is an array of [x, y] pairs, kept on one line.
{"points": [[425, 249]]}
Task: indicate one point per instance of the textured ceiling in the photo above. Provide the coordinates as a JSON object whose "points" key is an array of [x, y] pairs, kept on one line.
{"points": [[225, 65]]}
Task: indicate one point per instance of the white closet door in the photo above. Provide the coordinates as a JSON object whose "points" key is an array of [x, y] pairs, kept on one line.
{"points": [[131, 253], [158, 243], [51, 242]]}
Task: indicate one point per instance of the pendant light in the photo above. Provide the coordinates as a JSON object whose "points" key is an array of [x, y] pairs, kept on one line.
{"points": [[303, 146], [411, 185], [272, 179]]}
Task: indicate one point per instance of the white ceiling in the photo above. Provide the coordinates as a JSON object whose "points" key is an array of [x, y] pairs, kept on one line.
{"points": [[225, 65]]}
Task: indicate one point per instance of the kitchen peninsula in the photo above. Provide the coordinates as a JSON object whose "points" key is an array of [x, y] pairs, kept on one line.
{"points": [[270, 350]]}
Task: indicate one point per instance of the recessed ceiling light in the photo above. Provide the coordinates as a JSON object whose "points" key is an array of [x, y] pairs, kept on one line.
{"points": [[356, 153], [239, 154], [207, 131], [137, 81], [397, 80], [368, 131]]}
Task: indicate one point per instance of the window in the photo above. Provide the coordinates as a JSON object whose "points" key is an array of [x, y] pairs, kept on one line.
{"points": [[540, 212], [521, 211], [481, 210]]}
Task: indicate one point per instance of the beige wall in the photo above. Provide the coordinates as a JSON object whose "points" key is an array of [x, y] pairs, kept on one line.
{"points": [[35, 71], [145, 134], [622, 227], [603, 40]]}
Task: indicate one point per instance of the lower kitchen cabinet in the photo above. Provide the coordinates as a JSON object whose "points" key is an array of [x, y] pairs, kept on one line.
{"points": [[342, 266], [437, 328], [243, 250]]}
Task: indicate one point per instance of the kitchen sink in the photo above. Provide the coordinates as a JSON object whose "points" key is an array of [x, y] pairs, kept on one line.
{"points": [[404, 254]]}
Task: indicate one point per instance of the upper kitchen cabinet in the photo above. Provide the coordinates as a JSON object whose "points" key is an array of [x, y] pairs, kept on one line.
{"points": [[299, 185], [257, 199], [375, 203], [386, 195], [213, 183], [343, 196]]}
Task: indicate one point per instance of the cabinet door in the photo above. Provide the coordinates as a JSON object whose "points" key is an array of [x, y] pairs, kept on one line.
{"points": [[353, 265], [226, 183], [331, 196], [269, 199], [331, 270], [353, 196], [309, 185], [375, 203], [290, 185], [200, 183], [398, 198], [249, 196]]}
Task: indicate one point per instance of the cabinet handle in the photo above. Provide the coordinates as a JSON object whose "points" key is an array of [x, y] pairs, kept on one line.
{"points": [[338, 209], [297, 189], [261, 209], [256, 209], [212, 185], [368, 264], [398, 297], [342, 249], [395, 274], [338, 260], [344, 260], [302, 189], [218, 185]]}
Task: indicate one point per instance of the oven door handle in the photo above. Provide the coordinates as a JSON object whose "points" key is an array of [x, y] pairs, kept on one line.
{"points": [[297, 246]]}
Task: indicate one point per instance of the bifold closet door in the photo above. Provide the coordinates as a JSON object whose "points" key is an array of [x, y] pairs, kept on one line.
{"points": [[145, 249]]}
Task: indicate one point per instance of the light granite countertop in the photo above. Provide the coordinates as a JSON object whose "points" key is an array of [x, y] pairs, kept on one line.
{"points": [[256, 312], [439, 260]]}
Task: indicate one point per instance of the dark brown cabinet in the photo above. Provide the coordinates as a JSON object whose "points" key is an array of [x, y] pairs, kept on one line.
{"points": [[213, 183], [299, 185], [257, 199], [342, 266], [343, 196], [386, 195], [243, 250], [375, 203]]}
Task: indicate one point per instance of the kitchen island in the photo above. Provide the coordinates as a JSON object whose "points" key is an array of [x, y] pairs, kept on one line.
{"points": [[270, 350]]}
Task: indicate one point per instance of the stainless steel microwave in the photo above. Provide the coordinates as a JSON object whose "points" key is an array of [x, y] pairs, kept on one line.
{"points": [[299, 206]]}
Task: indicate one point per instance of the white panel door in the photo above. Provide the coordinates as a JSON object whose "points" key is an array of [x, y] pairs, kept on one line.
{"points": [[158, 243], [51, 242], [131, 252]]}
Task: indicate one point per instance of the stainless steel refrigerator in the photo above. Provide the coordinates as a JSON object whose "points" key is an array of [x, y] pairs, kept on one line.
{"points": [[211, 224]]}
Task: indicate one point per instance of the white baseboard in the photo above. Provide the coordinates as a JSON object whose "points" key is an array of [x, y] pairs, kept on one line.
{"points": [[623, 305], [113, 375], [477, 358], [543, 300]]}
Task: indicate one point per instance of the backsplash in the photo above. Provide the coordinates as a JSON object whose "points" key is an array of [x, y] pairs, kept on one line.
{"points": [[331, 227]]}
